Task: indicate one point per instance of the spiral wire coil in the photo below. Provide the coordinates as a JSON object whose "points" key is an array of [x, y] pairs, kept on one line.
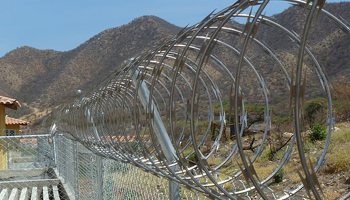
{"points": [[157, 110]]}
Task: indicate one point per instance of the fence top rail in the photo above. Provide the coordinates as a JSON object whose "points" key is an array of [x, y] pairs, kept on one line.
{"points": [[25, 136]]}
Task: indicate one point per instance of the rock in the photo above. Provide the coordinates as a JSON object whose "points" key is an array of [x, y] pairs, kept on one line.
{"points": [[342, 191], [335, 129], [288, 135]]}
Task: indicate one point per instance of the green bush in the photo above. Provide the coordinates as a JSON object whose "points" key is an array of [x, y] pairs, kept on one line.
{"points": [[318, 132], [279, 176]]}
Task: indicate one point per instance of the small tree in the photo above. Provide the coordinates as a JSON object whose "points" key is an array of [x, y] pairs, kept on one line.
{"points": [[280, 123], [314, 110], [255, 114]]}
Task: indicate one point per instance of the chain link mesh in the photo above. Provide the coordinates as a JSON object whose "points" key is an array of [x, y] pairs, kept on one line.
{"points": [[27, 168], [80, 169], [39, 167]]}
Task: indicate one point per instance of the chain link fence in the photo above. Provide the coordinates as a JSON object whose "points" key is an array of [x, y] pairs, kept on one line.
{"points": [[22, 152], [27, 168], [41, 167], [88, 176]]}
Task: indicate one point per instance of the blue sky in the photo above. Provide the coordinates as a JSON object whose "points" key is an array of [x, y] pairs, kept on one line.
{"points": [[64, 24]]}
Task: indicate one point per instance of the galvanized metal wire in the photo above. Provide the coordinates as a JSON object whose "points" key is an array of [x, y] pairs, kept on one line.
{"points": [[88, 176], [42, 167], [27, 168], [157, 110]]}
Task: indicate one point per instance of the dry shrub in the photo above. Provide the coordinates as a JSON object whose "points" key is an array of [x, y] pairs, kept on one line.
{"points": [[215, 160], [330, 193], [342, 90], [338, 157], [295, 178], [264, 171], [342, 103], [338, 160], [340, 137]]}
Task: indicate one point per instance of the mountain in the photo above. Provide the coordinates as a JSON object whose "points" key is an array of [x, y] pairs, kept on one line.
{"points": [[329, 44], [47, 78]]}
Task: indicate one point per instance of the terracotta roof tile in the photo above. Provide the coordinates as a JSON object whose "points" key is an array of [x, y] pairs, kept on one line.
{"points": [[9, 102], [13, 121], [29, 141]]}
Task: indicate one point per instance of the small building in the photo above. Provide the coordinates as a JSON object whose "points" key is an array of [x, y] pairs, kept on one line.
{"points": [[9, 126], [12, 125]]}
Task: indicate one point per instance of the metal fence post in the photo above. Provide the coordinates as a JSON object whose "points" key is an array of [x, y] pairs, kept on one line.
{"points": [[8, 156], [54, 142], [76, 174], [64, 149], [174, 189], [161, 133], [100, 177]]}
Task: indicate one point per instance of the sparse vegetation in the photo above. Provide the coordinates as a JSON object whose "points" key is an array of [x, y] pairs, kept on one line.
{"points": [[256, 113], [280, 122], [338, 160], [338, 157], [342, 102], [215, 160], [24, 110], [315, 110]]}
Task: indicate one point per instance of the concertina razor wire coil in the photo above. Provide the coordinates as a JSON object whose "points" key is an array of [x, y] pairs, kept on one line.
{"points": [[157, 111]]}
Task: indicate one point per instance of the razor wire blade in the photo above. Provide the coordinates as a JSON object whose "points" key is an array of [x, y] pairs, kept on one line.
{"points": [[158, 110]]}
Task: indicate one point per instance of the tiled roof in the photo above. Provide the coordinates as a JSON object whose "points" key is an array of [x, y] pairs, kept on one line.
{"points": [[13, 121], [9, 102], [29, 141]]}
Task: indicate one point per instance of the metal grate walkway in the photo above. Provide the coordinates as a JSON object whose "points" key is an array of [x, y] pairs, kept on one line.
{"points": [[33, 193], [31, 184]]}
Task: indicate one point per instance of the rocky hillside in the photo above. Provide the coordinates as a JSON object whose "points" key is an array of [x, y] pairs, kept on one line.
{"points": [[329, 44], [46, 78]]}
